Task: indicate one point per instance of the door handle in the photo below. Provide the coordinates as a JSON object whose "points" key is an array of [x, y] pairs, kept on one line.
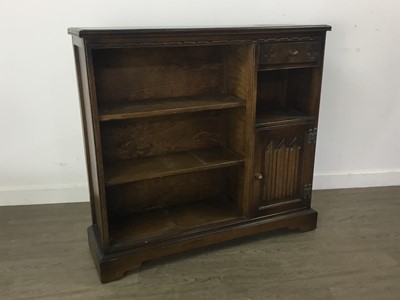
{"points": [[258, 176]]}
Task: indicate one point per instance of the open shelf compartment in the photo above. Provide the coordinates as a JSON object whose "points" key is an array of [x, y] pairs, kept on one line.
{"points": [[286, 97], [147, 82], [167, 207], [173, 138], [141, 228]]}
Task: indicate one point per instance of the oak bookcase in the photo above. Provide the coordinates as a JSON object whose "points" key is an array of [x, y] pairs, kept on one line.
{"points": [[195, 136]]}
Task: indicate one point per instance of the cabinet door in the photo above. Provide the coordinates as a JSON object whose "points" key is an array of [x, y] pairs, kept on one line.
{"points": [[284, 161]]}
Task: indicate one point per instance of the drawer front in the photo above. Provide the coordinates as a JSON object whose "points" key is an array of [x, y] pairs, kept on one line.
{"points": [[287, 53]]}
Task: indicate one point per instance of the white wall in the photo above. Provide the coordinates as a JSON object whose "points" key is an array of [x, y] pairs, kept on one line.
{"points": [[41, 150]]}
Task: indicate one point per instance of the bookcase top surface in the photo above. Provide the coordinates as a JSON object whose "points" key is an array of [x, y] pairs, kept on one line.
{"points": [[99, 31]]}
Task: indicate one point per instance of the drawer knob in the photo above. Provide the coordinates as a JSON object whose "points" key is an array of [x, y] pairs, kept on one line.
{"points": [[258, 176], [293, 52]]}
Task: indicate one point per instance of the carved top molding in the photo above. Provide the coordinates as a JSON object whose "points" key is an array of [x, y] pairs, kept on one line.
{"points": [[290, 39], [112, 37], [215, 42]]}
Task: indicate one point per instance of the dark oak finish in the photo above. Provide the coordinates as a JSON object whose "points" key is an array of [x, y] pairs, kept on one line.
{"points": [[151, 226], [166, 72], [92, 143], [292, 53], [196, 136], [170, 190], [280, 159], [271, 118], [162, 135], [113, 266], [171, 164], [157, 107]]}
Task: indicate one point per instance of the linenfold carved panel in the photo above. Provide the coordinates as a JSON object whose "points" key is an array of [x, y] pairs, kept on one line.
{"points": [[281, 170]]}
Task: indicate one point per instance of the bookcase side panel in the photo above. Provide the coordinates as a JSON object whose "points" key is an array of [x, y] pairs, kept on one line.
{"points": [[93, 159]]}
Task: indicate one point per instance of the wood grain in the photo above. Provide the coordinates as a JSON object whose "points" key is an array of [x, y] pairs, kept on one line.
{"points": [[271, 90], [92, 141], [147, 73], [282, 158], [130, 139], [155, 225], [287, 90], [240, 80], [159, 107], [276, 118], [288, 53], [162, 192], [171, 164], [281, 171]]}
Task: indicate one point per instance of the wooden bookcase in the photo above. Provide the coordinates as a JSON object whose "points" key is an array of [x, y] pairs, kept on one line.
{"points": [[196, 136]]}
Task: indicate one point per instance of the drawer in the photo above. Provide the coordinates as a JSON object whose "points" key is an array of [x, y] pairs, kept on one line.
{"points": [[290, 53]]}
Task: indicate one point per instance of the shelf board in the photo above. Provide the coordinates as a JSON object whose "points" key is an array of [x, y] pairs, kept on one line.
{"points": [[157, 107], [144, 227], [287, 66], [169, 164], [274, 118]]}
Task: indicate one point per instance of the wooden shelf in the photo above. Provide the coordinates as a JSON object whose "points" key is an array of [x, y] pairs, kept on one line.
{"points": [[158, 107], [169, 164], [262, 68], [144, 227], [274, 118]]}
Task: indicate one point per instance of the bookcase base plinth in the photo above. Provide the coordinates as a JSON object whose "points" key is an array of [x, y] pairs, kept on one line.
{"points": [[113, 266]]}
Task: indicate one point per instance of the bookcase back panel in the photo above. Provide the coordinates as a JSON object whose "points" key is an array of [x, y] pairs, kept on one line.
{"points": [[271, 89], [235, 124], [146, 73], [285, 89], [163, 192], [161, 135], [233, 185]]}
